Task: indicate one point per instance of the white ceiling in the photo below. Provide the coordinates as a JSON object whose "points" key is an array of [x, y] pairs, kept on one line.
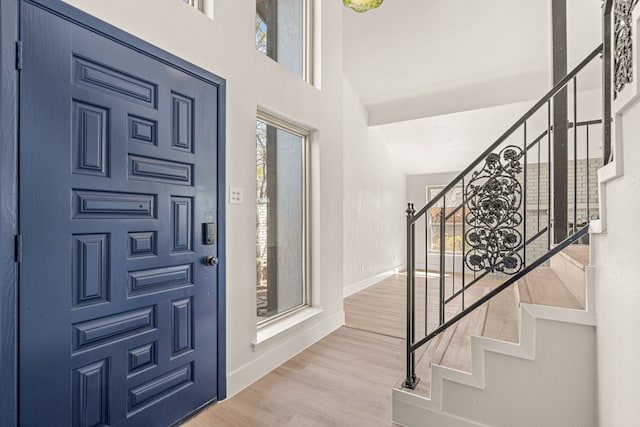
{"points": [[447, 143], [416, 64]]}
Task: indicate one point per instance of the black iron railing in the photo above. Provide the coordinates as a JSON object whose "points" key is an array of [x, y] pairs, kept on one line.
{"points": [[496, 218]]}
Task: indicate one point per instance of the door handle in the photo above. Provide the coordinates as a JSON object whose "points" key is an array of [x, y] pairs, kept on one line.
{"points": [[210, 261]]}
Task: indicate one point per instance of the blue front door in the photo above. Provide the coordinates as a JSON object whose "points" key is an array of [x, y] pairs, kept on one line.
{"points": [[118, 321]]}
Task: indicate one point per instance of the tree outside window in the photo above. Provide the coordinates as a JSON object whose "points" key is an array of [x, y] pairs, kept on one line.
{"points": [[281, 224], [282, 33], [453, 237]]}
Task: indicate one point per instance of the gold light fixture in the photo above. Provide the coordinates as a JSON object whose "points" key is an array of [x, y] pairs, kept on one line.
{"points": [[362, 5]]}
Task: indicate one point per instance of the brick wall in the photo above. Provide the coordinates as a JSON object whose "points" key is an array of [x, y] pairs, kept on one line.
{"points": [[538, 189]]}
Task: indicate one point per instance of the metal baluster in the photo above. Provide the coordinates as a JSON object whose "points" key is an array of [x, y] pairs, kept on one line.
{"points": [[575, 154], [464, 207], [607, 81], [442, 260], [453, 257], [588, 164], [524, 196], [538, 198], [549, 175], [426, 273]]}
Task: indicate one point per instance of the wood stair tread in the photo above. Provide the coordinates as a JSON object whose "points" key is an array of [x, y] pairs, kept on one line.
{"points": [[543, 286], [502, 317], [458, 352], [577, 254], [495, 319]]}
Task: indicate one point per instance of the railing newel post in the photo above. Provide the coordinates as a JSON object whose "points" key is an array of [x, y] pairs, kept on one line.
{"points": [[411, 379]]}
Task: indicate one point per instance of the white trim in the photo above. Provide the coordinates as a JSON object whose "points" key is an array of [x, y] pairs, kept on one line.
{"points": [[606, 174], [279, 354], [272, 330], [627, 98], [370, 281]]}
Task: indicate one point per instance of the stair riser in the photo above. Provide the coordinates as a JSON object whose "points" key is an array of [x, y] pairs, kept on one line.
{"points": [[558, 388], [573, 277]]}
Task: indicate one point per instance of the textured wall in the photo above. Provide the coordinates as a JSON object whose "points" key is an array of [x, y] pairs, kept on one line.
{"points": [[374, 198], [618, 287]]}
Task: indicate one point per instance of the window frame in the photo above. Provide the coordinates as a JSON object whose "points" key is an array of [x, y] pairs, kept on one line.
{"points": [[196, 4], [206, 7], [304, 134], [431, 225]]}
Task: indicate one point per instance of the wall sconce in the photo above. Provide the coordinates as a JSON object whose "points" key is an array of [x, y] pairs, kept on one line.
{"points": [[362, 5]]}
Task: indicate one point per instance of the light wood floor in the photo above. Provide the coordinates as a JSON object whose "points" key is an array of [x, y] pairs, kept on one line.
{"points": [[346, 378]]}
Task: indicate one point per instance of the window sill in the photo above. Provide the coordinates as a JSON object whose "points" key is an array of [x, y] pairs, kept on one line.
{"points": [[281, 326]]}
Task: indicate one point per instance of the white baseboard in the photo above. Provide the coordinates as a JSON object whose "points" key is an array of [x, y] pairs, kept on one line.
{"points": [[265, 363], [364, 284]]}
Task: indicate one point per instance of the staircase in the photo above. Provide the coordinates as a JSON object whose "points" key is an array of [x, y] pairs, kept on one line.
{"points": [[549, 376], [522, 349], [505, 329]]}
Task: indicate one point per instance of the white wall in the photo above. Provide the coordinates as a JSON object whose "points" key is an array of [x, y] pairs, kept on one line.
{"points": [[226, 47], [374, 198], [618, 287]]}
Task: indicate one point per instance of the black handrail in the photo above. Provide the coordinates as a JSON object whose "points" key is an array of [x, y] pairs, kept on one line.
{"points": [[493, 208], [485, 273], [537, 263], [557, 88]]}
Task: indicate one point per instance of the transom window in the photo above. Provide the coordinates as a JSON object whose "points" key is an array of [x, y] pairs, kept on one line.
{"points": [[282, 33], [204, 6]]}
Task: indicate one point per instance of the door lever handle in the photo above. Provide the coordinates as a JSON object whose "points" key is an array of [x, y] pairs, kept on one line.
{"points": [[210, 261]]}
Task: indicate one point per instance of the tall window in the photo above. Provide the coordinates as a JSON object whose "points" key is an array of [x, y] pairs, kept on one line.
{"points": [[281, 223], [282, 33], [453, 226]]}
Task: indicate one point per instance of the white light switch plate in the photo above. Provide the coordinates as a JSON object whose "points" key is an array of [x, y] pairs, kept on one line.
{"points": [[236, 196]]}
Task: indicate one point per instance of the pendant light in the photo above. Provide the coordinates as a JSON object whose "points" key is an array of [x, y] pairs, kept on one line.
{"points": [[362, 5]]}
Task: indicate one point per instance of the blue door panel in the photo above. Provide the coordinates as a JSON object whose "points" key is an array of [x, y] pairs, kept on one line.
{"points": [[118, 173]]}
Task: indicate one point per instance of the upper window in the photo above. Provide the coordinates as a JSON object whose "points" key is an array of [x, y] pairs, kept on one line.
{"points": [[282, 33], [281, 224], [453, 225], [201, 5]]}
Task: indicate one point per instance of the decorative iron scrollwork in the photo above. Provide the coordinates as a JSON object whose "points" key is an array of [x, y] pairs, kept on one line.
{"points": [[493, 200], [623, 44]]}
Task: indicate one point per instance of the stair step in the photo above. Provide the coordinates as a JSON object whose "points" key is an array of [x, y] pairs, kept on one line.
{"points": [[543, 286], [570, 265], [577, 254], [458, 352], [434, 351], [502, 317]]}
